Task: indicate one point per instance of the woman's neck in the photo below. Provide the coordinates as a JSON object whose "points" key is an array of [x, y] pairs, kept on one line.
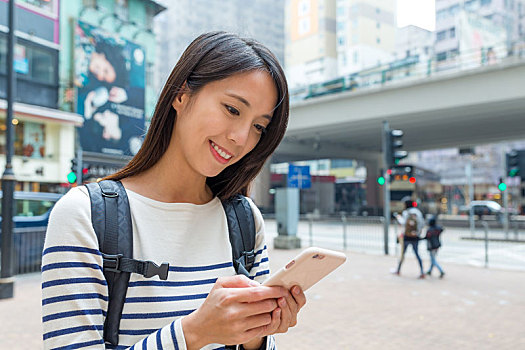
{"points": [[165, 182]]}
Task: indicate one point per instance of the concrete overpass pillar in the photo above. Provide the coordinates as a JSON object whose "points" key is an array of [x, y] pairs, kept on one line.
{"points": [[260, 191], [374, 193]]}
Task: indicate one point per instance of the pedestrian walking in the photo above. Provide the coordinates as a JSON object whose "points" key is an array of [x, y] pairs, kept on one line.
{"points": [[413, 222], [433, 244], [221, 114]]}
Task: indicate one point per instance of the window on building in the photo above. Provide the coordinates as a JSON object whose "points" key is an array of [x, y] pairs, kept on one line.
{"points": [[341, 41], [453, 10], [29, 139], [378, 10], [441, 35], [442, 56], [304, 8], [378, 25], [121, 9], [304, 25], [356, 57], [89, 3], [150, 15], [441, 15], [378, 40], [486, 2], [48, 5], [452, 32]]}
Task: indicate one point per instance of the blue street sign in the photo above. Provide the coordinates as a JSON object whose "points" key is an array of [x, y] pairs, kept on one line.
{"points": [[299, 176]]}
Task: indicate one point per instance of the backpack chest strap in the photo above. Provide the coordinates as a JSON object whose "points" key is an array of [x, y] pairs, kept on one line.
{"points": [[118, 263]]}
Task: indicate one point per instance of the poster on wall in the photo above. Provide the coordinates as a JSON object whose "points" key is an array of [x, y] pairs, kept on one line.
{"points": [[110, 78], [34, 143]]}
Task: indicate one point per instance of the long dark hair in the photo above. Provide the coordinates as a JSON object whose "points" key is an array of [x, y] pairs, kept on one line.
{"points": [[211, 57]]}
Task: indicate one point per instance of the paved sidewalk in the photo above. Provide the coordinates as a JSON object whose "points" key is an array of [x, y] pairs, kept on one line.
{"points": [[361, 306]]}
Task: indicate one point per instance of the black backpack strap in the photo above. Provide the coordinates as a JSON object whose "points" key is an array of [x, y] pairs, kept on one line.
{"points": [[241, 227], [111, 219]]}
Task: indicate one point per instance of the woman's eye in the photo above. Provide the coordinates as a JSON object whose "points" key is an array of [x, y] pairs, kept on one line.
{"points": [[232, 110], [261, 129]]}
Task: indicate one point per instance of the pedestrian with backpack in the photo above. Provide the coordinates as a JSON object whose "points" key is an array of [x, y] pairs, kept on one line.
{"points": [[432, 236], [413, 222], [168, 253]]}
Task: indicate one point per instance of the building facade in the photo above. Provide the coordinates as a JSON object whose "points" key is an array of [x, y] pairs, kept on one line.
{"points": [[44, 136], [310, 54], [366, 32], [474, 32], [184, 20], [107, 60]]}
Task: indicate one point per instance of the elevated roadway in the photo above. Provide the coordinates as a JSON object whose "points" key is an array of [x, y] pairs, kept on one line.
{"points": [[457, 109]]}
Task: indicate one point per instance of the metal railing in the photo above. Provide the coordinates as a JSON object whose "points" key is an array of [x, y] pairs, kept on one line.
{"points": [[28, 244], [487, 246], [415, 68]]}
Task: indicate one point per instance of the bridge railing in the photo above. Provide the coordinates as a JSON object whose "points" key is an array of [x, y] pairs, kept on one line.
{"points": [[414, 68], [27, 249]]}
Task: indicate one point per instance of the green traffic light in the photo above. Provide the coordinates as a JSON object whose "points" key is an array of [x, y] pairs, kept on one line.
{"points": [[381, 180], [513, 172], [72, 177], [502, 186]]}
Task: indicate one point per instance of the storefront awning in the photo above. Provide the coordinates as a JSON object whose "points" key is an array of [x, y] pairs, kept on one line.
{"points": [[43, 113]]}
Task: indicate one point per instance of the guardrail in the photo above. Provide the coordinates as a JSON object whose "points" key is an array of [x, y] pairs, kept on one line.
{"points": [[486, 246], [414, 67], [28, 243]]}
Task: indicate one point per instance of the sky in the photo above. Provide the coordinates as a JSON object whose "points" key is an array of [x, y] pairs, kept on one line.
{"points": [[421, 13]]}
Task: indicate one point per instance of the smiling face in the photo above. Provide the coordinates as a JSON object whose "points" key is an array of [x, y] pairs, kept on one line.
{"points": [[222, 122], [102, 68]]}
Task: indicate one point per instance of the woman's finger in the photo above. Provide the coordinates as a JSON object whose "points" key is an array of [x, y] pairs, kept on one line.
{"points": [[299, 296]]}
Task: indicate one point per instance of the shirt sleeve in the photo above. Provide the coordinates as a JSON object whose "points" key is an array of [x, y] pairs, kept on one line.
{"points": [[74, 289]]}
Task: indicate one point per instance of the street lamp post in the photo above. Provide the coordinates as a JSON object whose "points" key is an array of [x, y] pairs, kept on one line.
{"points": [[8, 177]]}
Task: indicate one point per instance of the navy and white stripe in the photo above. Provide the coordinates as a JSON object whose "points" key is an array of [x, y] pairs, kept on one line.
{"points": [[192, 238]]}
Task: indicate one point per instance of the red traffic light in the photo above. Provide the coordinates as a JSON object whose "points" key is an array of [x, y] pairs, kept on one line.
{"points": [[412, 180], [414, 204], [85, 171]]}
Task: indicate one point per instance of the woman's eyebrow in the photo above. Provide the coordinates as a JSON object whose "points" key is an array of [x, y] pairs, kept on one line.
{"points": [[243, 100]]}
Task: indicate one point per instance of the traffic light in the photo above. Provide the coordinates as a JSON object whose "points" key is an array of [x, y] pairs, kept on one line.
{"points": [[72, 176], [502, 185], [394, 154], [381, 180], [85, 174], [513, 163]]}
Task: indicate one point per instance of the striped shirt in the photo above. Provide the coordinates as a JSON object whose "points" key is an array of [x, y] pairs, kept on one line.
{"points": [[192, 238]]}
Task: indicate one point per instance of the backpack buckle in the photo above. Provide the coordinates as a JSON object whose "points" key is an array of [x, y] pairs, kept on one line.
{"points": [[151, 269], [249, 259], [111, 262]]}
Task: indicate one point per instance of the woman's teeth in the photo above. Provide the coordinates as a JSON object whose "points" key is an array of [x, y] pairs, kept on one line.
{"points": [[220, 151]]}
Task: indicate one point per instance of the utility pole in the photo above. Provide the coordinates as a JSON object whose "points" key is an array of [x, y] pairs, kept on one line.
{"points": [[386, 187], [8, 177]]}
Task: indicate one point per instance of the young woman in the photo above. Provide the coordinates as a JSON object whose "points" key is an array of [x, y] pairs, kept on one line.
{"points": [[222, 112]]}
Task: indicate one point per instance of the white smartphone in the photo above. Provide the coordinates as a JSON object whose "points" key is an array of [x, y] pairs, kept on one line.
{"points": [[306, 269]]}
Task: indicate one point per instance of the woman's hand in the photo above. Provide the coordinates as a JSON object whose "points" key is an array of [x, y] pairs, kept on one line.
{"points": [[290, 305], [236, 311]]}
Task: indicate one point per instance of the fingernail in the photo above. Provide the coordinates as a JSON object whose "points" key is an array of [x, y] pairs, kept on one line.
{"points": [[282, 302], [296, 291]]}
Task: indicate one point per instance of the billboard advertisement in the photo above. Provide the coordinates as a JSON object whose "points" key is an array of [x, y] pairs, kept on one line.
{"points": [[110, 79]]}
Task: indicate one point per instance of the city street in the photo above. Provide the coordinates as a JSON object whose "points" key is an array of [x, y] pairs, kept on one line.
{"points": [[360, 306], [366, 235]]}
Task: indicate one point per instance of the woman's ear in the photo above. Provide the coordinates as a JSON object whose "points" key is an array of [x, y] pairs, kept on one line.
{"points": [[181, 99]]}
